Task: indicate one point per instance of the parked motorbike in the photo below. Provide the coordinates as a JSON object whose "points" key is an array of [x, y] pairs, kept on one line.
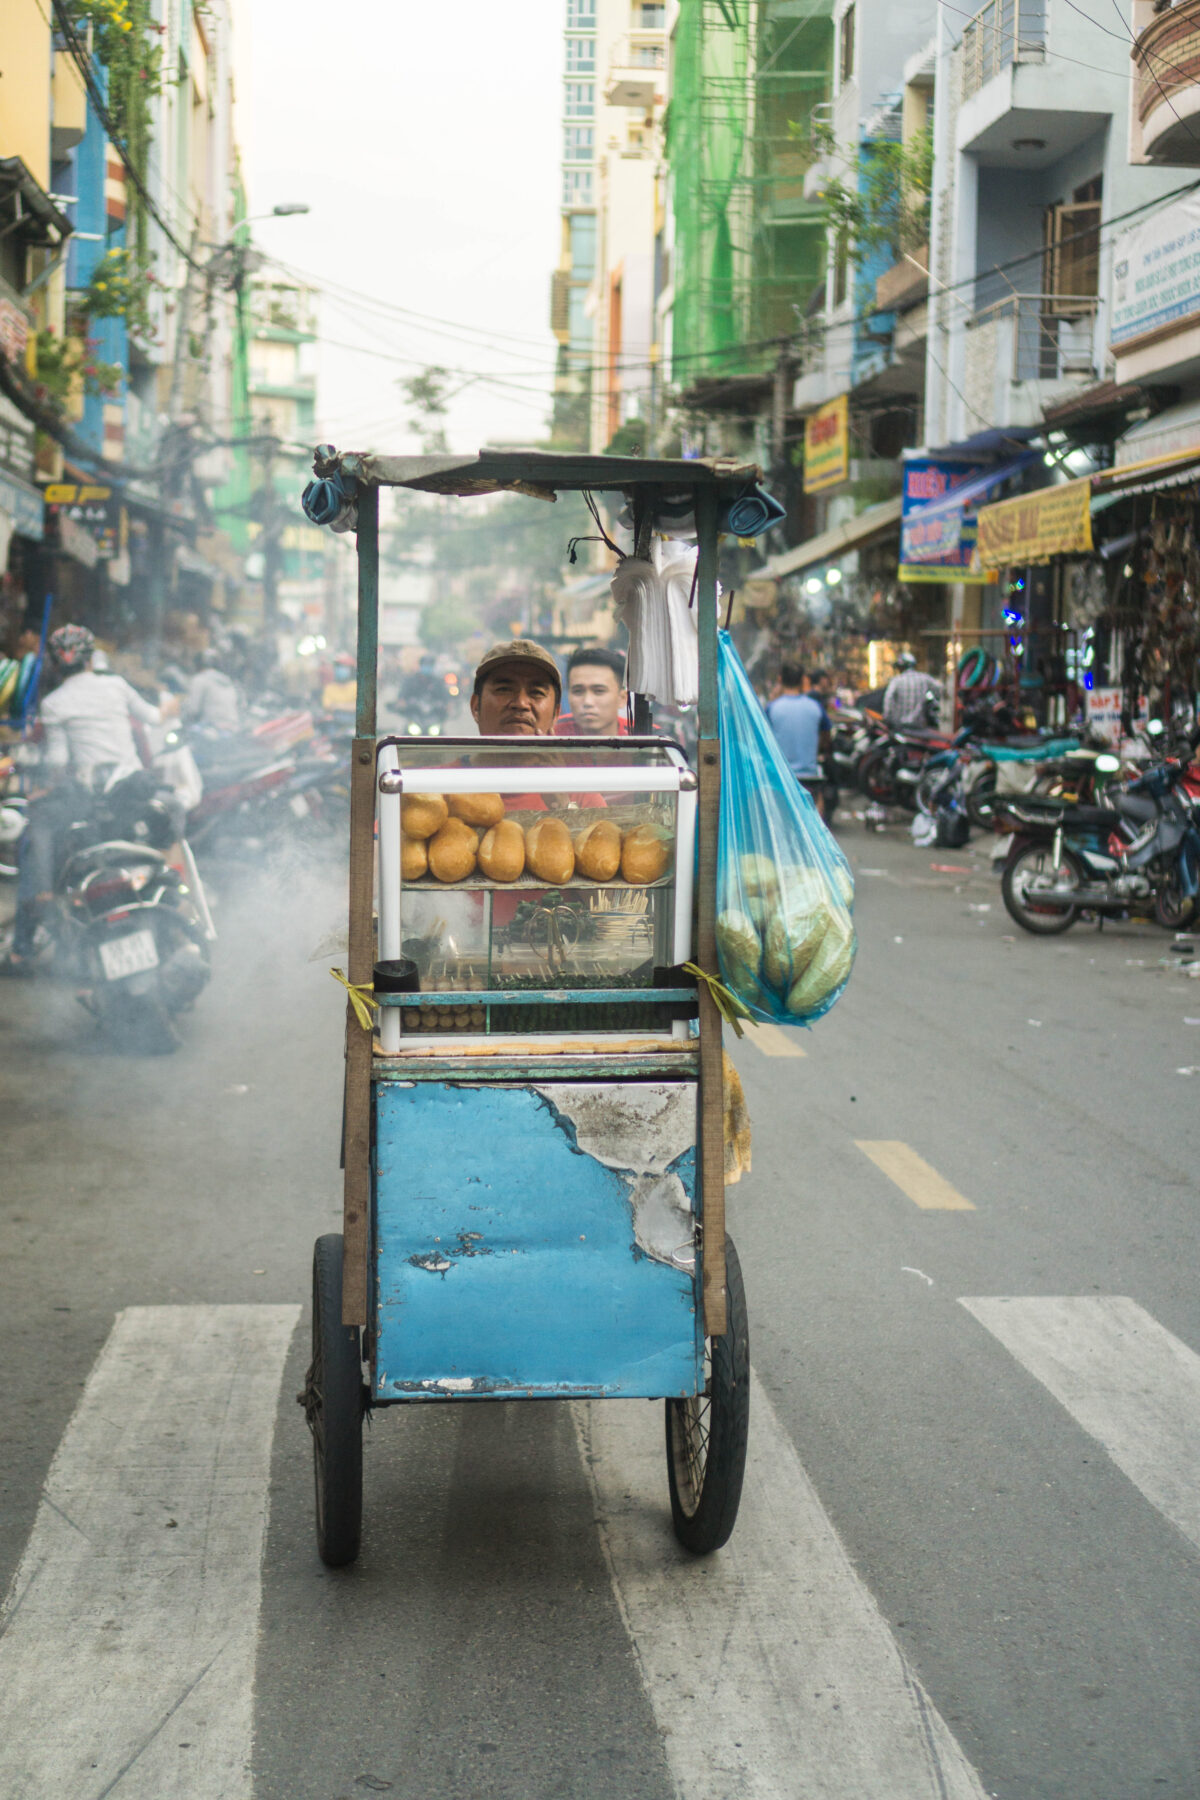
{"points": [[131, 917], [1137, 853]]}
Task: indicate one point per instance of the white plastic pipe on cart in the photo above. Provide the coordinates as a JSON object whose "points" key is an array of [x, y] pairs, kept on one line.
{"points": [[771, 1672], [127, 1655]]}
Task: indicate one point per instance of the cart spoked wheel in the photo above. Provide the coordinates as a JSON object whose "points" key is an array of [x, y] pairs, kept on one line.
{"points": [[334, 1399], [706, 1436]]}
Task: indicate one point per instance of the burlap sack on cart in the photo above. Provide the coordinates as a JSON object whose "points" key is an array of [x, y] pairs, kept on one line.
{"points": [[785, 935]]}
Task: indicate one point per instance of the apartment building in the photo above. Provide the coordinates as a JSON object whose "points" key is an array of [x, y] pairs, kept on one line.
{"points": [[1032, 158], [571, 316]]}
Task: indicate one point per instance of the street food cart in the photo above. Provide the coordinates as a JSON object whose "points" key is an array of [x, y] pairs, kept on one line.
{"points": [[533, 1142]]}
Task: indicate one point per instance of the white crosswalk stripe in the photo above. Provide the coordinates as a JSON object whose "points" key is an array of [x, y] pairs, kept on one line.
{"points": [[129, 1634], [1123, 1377], [771, 1672]]}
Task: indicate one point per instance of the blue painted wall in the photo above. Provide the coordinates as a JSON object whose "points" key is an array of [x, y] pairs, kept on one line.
{"points": [[506, 1258]]}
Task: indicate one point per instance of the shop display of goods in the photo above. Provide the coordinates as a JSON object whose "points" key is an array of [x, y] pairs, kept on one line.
{"points": [[502, 851], [414, 857], [452, 851], [422, 814], [476, 809], [598, 851], [645, 854], [549, 852], [544, 849]]}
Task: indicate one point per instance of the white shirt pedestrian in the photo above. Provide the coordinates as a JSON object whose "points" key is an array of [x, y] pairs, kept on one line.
{"points": [[88, 724]]}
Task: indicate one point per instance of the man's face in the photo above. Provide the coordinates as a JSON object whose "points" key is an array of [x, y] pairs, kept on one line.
{"points": [[517, 699], [596, 698]]}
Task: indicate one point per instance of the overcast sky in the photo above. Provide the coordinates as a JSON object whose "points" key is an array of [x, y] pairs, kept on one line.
{"points": [[425, 138]]}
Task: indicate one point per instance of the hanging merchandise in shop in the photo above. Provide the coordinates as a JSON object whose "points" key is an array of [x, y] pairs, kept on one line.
{"points": [[827, 446], [1055, 521]]}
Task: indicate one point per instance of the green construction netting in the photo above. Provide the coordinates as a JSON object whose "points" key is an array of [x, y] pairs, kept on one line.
{"points": [[748, 247]]}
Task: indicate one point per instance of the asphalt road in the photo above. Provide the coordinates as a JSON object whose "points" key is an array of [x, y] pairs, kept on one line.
{"points": [[969, 1556]]}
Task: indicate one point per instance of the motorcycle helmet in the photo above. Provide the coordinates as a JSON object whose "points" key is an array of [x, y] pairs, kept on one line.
{"points": [[905, 660], [71, 647]]}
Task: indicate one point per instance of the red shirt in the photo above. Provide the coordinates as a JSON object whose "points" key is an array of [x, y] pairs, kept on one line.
{"points": [[565, 726]]}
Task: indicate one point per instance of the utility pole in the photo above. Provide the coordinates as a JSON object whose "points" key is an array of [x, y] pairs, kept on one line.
{"points": [[780, 398]]}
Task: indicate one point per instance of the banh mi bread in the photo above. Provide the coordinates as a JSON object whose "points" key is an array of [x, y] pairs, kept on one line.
{"points": [[502, 851], [645, 853], [422, 814], [598, 850], [549, 852], [452, 851], [476, 809], [414, 857]]}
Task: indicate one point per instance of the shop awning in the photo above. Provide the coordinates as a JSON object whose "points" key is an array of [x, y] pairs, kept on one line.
{"points": [[867, 528], [1032, 528], [1151, 475]]}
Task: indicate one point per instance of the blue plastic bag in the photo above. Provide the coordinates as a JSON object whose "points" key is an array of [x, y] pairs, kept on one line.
{"points": [[785, 936]]}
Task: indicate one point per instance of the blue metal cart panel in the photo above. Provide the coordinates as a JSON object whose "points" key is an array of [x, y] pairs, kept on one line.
{"points": [[536, 1240]]}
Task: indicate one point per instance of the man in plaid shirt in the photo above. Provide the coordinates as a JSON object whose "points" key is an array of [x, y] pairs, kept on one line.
{"points": [[906, 694]]}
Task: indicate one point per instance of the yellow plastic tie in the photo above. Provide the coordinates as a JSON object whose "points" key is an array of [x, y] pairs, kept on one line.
{"points": [[362, 998], [731, 1009]]}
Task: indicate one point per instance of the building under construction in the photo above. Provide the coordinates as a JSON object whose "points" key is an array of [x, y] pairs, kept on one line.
{"points": [[749, 253]]}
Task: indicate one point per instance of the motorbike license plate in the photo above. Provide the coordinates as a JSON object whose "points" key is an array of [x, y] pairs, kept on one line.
{"points": [[131, 955]]}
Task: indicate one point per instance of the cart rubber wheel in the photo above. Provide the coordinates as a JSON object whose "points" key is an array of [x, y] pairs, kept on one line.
{"points": [[333, 1398], [706, 1436]]}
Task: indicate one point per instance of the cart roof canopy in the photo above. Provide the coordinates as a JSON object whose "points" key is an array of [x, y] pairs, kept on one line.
{"points": [[544, 474]]}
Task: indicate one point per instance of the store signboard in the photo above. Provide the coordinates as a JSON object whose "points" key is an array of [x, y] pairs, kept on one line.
{"points": [[827, 446], [94, 507], [1104, 713], [1156, 272], [23, 506], [1055, 521], [941, 547]]}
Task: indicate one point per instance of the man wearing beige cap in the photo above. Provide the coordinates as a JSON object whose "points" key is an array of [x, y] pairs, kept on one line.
{"points": [[518, 690]]}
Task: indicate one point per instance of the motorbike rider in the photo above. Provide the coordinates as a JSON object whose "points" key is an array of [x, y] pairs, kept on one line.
{"points": [[212, 699], [908, 694], [801, 727], [88, 742]]}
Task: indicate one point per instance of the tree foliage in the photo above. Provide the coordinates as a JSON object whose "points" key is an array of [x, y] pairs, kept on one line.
{"points": [[883, 202]]}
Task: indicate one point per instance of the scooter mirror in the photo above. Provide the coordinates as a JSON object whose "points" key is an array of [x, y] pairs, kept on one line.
{"points": [[1107, 765]]}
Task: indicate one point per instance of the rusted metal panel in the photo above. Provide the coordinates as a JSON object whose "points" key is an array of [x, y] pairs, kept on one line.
{"points": [[536, 1240]]}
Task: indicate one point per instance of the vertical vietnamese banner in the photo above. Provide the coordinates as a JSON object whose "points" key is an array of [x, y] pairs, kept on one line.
{"points": [[827, 446]]}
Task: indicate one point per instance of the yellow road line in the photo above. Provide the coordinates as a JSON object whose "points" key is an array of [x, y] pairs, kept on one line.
{"points": [[773, 1042], [914, 1177]]}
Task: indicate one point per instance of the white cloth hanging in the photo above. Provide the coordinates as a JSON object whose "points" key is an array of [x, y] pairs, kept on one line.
{"points": [[655, 601]]}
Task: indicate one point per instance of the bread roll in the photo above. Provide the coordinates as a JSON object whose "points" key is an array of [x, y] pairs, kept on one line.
{"points": [[414, 857], [422, 814], [645, 853], [549, 852], [452, 851], [598, 850], [476, 809], [502, 852]]}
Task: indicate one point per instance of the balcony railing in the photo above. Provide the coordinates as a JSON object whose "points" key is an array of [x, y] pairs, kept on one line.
{"points": [[1051, 334], [1002, 33], [1167, 57]]}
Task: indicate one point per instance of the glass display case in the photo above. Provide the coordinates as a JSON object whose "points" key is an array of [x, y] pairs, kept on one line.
{"points": [[534, 887]]}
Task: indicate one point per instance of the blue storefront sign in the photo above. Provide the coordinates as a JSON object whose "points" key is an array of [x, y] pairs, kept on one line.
{"points": [[938, 523]]}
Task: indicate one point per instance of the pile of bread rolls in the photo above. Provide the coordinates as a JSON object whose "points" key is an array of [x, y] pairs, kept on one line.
{"points": [[453, 836], [785, 936]]}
